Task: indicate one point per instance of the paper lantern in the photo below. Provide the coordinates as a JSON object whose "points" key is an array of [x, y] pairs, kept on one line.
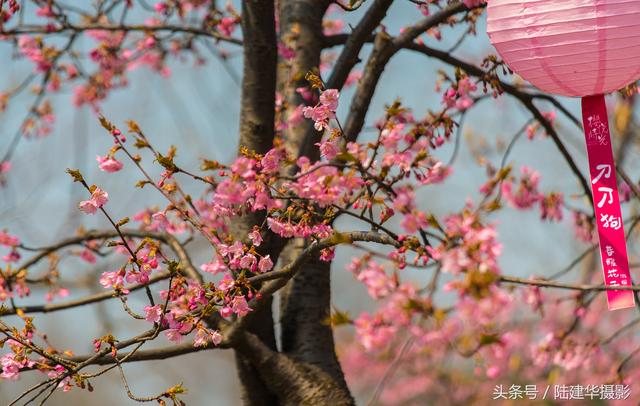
{"points": [[568, 47], [582, 48]]}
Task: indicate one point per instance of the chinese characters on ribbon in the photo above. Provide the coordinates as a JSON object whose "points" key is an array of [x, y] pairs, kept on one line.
{"points": [[613, 249]]}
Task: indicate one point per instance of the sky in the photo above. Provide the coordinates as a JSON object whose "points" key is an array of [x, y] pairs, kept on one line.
{"points": [[197, 109]]}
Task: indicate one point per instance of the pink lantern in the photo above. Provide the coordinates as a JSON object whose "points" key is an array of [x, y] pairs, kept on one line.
{"points": [[568, 47], [582, 48]]}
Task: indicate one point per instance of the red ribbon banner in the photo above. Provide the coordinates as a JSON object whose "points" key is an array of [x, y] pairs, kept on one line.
{"points": [[604, 188]]}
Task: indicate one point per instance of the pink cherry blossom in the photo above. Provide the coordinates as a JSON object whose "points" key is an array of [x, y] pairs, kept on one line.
{"points": [[56, 292], [327, 254], [109, 164], [329, 98], [153, 314], [88, 256], [255, 237], [160, 7], [435, 174], [320, 114], [8, 240], [285, 51], [583, 226], [473, 3], [446, 317], [306, 92], [240, 306], [226, 283], [11, 366], [265, 264], [372, 333], [333, 27], [227, 25], [214, 267], [5, 167], [375, 279], [459, 95], [113, 280], [248, 261], [526, 194], [323, 111], [329, 149], [12, 256], [174, 335], [205, 336], [271, 161], [226, 311], [479, 249], [45, 11], [98, 199]]}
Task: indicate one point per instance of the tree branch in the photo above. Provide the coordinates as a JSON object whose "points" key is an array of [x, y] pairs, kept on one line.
{"points": [[47, 30], [525, 98], [558, 285], [166, 238], [384, 48], [361, 34], [151, 355], [98, 297]]}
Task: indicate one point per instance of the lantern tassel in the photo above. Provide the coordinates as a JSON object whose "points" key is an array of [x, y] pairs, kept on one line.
{"points": [[606, 203]]}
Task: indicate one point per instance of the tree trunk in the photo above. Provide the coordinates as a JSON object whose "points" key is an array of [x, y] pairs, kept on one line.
{"points": [[300, 29], [306, 334], [305, 302], [295, 383], [257, 116]]}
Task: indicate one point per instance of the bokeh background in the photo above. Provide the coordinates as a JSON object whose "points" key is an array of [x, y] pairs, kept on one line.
{"points": [[197, 109]]}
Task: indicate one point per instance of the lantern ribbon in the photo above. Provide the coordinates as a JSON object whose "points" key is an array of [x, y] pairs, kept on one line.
{"points": [[606, 204]]}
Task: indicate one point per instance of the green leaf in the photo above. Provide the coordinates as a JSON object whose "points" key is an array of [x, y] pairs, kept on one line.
{"points": [[174, 267], [140, 143], [75, 174], [167, 163], [106, 124], [176, 389], [133, 126], [346, 157], [122, 222], [339, 318], [208, 165], [142, 183], [488, 339]]}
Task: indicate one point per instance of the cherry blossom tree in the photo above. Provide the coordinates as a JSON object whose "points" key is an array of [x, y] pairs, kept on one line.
{"points": [[307, 182]]}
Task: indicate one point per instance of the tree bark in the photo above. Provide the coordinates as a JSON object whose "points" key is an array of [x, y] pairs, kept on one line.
{"points": [[301, 29], [305, 302], [257, 111], [306, 334], [295, 383], [257, 116]]}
